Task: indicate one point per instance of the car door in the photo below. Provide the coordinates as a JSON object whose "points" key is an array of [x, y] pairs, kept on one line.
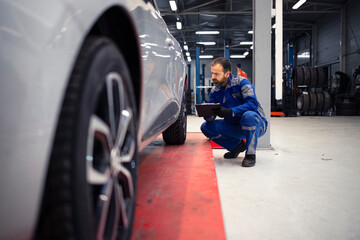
{"points": [[160, 99]]}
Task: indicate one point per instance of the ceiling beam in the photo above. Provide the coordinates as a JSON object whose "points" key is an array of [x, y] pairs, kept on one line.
{"points": [[247, 12], [201, 5], [312, 12], [215, 29], [209, 13]]}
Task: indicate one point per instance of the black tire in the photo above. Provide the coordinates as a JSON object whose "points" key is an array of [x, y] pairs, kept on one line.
{"points": [[346, 105], [346, 112], [320, 102], [313, 100], [327, 101], [314, 80], [176, 133], [303, 102], [320, 77], [90, 190], [298, 76], [307, 76]]}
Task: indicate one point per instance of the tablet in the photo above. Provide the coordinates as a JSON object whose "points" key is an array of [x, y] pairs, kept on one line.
{"points": [[204, 109]]}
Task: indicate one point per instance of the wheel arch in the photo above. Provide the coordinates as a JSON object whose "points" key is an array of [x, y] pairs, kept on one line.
{"points": [[116, 24]]}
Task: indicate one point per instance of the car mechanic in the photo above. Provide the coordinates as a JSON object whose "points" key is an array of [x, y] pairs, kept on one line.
{"points": [[243, 116]]}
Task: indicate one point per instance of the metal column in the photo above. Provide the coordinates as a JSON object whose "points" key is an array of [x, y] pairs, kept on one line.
{"points": [[203, 83], [197, 74], [278, 48], [262, 60], [343, 39], [227, 53], [291, 62], [189, 76]]}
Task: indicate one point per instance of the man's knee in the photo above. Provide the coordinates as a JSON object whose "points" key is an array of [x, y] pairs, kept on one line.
{"points": [[203, 127], [250, 118], [206, 128]]}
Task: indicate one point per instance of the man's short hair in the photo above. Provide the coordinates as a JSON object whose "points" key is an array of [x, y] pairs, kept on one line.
{"points": [[226, 64]]}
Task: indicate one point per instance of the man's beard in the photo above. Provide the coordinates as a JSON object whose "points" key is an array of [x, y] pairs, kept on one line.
{"points": [[218, 83]]}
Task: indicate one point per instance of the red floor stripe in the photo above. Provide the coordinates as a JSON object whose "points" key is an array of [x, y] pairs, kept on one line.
{"points": [[215, 145], [178, 194]]}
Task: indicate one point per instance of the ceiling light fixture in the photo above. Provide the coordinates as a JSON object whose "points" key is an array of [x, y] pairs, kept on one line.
{"points": [[237, 56], [173, 5], [207, 43], [246, 43], [206, 56], [251, 47], [246, 53], [250, 32], [186, 47], [207, 32], [189, 59], [298, 4], [187, 54], [178, 25]]}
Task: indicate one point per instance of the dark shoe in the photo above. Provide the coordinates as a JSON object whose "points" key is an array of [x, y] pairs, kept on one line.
{"points": [[249, 160], [234, 153]]}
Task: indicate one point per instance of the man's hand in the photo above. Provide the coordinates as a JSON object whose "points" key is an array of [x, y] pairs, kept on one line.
{"points": [[223, 112]]}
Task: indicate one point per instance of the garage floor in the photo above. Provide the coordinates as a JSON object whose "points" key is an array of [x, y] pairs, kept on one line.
{"points": [[306, 187]]}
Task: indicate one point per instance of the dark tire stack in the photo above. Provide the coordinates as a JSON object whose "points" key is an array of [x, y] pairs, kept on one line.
{"points": [[346, 106], [298, 76], [321, 76], [313, 102], [310, 87], [307, 76], [310, 77], [313, 77]]}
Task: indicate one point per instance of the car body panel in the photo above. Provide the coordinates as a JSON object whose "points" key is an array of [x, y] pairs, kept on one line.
{"points": [[40, 41], [159, 90]]}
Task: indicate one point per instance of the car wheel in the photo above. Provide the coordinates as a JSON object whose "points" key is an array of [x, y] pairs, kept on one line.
{"points": [[91, 182], [176, 133]]}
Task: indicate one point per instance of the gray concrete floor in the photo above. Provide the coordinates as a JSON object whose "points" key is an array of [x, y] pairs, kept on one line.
{"points": [[306, 187]]}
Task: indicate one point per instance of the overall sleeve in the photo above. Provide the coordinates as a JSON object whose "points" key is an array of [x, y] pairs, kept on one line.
{"points": [[211, 100], [246, 91]]}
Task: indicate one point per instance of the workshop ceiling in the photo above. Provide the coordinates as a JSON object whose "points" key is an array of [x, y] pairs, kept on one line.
{"points": [[233, 20]]}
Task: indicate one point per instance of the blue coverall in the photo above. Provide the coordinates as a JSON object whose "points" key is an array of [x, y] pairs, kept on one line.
{"points": [[249, 120]]}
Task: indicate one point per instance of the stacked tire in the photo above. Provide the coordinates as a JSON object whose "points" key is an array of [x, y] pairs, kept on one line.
{"points": [[313, 102], [347, 106], [312, 77]]}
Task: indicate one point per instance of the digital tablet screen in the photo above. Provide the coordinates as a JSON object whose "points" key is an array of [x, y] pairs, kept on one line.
{"points": [[204, 109]]}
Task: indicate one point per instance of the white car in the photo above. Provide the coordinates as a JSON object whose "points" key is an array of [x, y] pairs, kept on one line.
{"points": [[85, 85]]}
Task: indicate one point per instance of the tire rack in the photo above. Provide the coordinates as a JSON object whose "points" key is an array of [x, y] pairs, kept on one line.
{"points": [[307, 92]]}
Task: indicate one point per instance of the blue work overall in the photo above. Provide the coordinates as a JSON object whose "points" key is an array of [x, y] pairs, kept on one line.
{"points": [[248, 122]]}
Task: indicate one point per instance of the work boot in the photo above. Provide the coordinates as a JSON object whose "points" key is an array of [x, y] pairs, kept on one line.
{"points": [[234, 153], [249, 160]]}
